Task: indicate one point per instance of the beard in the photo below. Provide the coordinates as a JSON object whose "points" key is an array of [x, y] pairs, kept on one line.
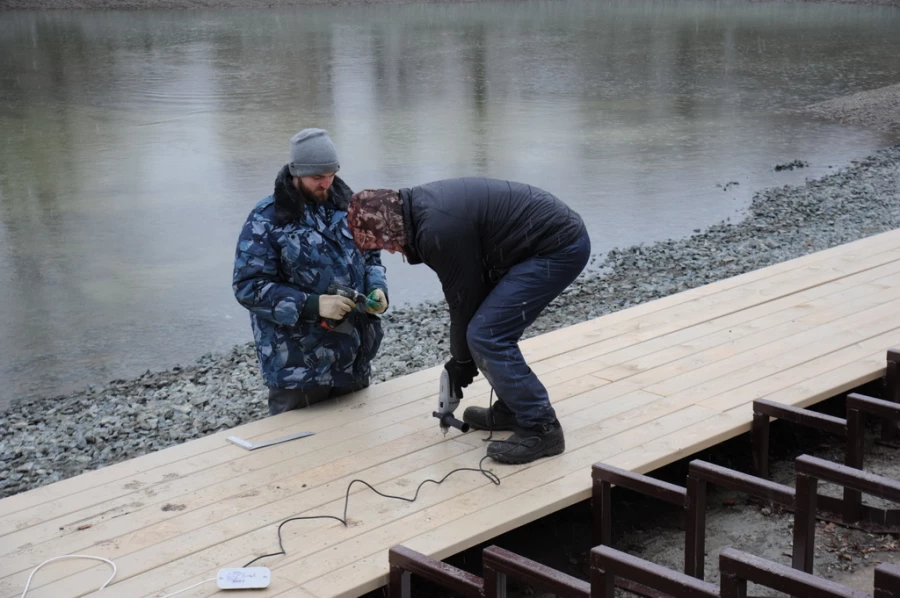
{"points": [[317, 196]]}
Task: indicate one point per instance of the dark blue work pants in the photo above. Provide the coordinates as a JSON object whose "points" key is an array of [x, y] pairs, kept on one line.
{"points": [[511, 307]]}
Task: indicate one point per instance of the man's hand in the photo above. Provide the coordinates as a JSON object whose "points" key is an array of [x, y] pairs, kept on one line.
{"points": [[461, 374], [376, 296], [334, 307]]}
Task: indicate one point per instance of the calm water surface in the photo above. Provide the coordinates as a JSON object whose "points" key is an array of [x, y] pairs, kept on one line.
{"points": [[133, 144]]}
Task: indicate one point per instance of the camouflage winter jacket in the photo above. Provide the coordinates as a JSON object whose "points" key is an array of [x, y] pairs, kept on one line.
{"points": [[289, 250]]}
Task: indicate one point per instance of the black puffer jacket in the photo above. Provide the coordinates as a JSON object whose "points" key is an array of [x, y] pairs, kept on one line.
{"points": [[471, 231]]}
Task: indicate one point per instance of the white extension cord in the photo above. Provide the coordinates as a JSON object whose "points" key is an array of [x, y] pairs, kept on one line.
{"points": [[72, 556], [228, 579]]}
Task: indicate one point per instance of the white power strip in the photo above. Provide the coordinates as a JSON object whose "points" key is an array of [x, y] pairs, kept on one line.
{"points": [[243, 578]]}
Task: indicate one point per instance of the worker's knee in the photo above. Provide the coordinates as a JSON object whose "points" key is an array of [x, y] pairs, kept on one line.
{"points": [[476, 339]]}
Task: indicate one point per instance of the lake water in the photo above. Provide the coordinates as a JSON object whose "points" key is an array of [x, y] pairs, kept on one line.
{"points": [[133, 144]]}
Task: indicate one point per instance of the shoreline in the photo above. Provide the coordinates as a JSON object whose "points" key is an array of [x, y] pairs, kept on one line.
{"points": [[875, 108], [46, 440]]}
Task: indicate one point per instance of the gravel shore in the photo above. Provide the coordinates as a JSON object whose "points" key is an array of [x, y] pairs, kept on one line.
{"points": [[877, 108], [42, 441]]}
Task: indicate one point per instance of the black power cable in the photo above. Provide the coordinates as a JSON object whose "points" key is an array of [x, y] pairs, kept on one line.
{"points": [[488, 474]]}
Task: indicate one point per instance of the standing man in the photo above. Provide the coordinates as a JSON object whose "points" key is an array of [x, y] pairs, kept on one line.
{"points": [[311, 345], [503, 251]]}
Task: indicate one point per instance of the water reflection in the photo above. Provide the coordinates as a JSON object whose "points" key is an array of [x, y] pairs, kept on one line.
{"points": [[135, 143]]}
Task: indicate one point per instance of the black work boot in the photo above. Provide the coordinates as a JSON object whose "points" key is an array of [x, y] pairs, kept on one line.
{"points": [[528, 444], [497, 418]]}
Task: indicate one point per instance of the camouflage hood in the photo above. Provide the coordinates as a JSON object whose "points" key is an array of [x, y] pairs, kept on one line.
{"points": [[290, 204], [375, 217]]}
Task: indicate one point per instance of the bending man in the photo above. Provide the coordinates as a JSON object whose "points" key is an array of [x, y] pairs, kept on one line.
{"points": [[503, 251]]}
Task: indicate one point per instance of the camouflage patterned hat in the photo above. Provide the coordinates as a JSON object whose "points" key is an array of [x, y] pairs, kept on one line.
{"points": [[375, 217]]}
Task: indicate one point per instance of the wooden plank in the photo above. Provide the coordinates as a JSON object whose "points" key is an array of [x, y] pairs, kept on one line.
{"points": [[317, 486], [786, 308], [685, 442], [119, 471], [573, 487], [803, 306], [690, 440], [229, 497], [461, 525], [269, 427], [697, 359], [291, 538], [245, 473], [279, 586], [168, 474], [768, 386], [722, 302], [710, 380], [242, 461], [334, 421], [711, 349], [183, 556], [615, 433], [298, 593], [228, 483], [847, 253], [743, 366], [830, 376], [697, 312], [229, 457]]}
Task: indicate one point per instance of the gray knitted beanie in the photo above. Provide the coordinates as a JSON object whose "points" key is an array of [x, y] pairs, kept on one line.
{"points": [[312, 153]]}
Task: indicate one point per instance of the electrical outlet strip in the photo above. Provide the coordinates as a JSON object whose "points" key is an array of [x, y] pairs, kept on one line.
{"points": [[243, 578]]}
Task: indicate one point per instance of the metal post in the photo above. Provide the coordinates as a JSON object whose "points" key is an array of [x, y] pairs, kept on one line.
{"points": [[695, 528], [404, 562], [889, 431], [494, 583], [856, 437], [732, 586], [499, 565], [887, 581], [401, 583], [805, 523], [602, 510], [760, 442], [602, 582], [776, 576]]}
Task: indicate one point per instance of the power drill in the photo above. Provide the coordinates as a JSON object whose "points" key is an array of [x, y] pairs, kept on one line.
{"points": [[447, 404], [351, 294]]}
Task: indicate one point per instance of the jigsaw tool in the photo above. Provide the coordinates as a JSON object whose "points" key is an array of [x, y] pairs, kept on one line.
{"points": [[447, 404]]}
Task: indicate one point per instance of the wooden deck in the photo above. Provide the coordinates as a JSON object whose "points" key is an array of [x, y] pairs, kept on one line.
{"points": [[637, 389]]}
